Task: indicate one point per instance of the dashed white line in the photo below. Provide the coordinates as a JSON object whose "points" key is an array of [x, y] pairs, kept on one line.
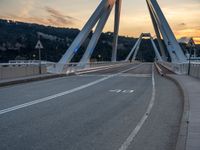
{"points": [[133, 134], [17, 107]]}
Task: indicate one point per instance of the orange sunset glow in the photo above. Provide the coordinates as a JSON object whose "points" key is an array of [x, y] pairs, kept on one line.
{"points": [[182, 15]]}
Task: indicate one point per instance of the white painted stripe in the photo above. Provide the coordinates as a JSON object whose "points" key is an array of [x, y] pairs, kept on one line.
{"points": [[100, 69], [133, 134], [4, 111], [121, 75], [95, 75], [136, 75]]}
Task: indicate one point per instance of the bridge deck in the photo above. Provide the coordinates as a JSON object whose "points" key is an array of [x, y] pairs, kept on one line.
{"points": [[92, 111]]}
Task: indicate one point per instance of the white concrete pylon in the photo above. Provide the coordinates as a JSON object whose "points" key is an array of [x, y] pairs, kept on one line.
{"points": [[87, 55], [159, 26], [116, 29], [100, 17], [155, 49], [133, 49], [82, 36], [97, 17], [157, 31], [136, 47], [171, 43]]}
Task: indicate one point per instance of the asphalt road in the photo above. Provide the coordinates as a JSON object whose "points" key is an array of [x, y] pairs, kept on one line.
{"points": [[129, 107]]}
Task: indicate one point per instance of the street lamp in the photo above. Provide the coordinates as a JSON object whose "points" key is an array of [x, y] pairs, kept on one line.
{"points": [[99, 56], [189, 67], [191, 46]]}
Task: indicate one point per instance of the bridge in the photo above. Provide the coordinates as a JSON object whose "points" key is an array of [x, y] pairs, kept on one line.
{"points": [[116, 105]]}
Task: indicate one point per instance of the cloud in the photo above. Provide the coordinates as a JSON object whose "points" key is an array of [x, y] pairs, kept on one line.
{"points": [[182, 24], [53, 17], [29, 5], [58, 19]]}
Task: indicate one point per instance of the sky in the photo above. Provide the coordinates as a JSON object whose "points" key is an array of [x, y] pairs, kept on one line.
{"points": [[182, 15]]}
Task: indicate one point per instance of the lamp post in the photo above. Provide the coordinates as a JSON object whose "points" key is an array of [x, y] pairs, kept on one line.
{"points": [[189, 67]]}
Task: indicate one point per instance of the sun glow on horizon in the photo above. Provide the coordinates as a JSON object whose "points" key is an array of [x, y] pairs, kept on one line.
{"points": [[183, 16]]}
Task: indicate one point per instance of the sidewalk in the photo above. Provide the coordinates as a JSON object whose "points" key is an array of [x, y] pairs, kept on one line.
{"points": [[191, 87], [7, 82]]}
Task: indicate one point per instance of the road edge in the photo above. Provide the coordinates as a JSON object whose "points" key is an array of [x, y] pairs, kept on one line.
{"points": [[184, 121], [28, 80], [183, 131]]}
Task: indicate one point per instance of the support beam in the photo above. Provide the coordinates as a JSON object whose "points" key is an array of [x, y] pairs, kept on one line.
{"points": [[137, 49], [87, 55], [172, 45], [99, 18], [82, 36], [164, 35], [162, 49], [155, 49], [133, 50], [137, 46], [116, 29]]}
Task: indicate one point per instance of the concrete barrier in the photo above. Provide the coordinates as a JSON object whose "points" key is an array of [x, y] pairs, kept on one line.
{"points": [[182, 68], [76, 67], [9, 71]]}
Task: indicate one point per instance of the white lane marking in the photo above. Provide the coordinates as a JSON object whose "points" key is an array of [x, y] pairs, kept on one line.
{"points": [[121, 75], [17, 107], [115, 91], [121, 91], [136, 75], [133, 134], [99, 69], [128, 91], [94, 75]]}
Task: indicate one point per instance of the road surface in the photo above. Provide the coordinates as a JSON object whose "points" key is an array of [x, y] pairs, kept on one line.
{"points": [[122, 108]]}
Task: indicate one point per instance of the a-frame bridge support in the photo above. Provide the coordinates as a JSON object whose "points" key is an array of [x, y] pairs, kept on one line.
{"points": [[99, 19], [136, 47], [163, 29]]}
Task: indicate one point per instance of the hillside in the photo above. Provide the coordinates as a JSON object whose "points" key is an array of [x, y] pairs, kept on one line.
{"points": [[18, 40]]}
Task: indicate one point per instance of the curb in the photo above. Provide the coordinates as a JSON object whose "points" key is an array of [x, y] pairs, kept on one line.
{"points": [[159, 69], [14, 82], [183, 131]]}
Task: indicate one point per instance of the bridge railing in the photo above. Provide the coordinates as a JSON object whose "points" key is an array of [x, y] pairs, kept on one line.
{"points": [[77, 67], [17, 69], [183, 68], [195, 70]]}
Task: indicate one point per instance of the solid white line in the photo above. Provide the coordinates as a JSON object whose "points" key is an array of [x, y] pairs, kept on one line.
{"points": [[4, 111], [122, 75], [94, 75], [133, 134], [95, 70]]}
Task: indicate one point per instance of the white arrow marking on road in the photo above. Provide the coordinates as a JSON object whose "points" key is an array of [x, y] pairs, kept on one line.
{"points": [[121, 91]]}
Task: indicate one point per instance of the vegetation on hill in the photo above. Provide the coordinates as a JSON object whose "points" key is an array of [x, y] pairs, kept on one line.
{"points": [[18, 40]]}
